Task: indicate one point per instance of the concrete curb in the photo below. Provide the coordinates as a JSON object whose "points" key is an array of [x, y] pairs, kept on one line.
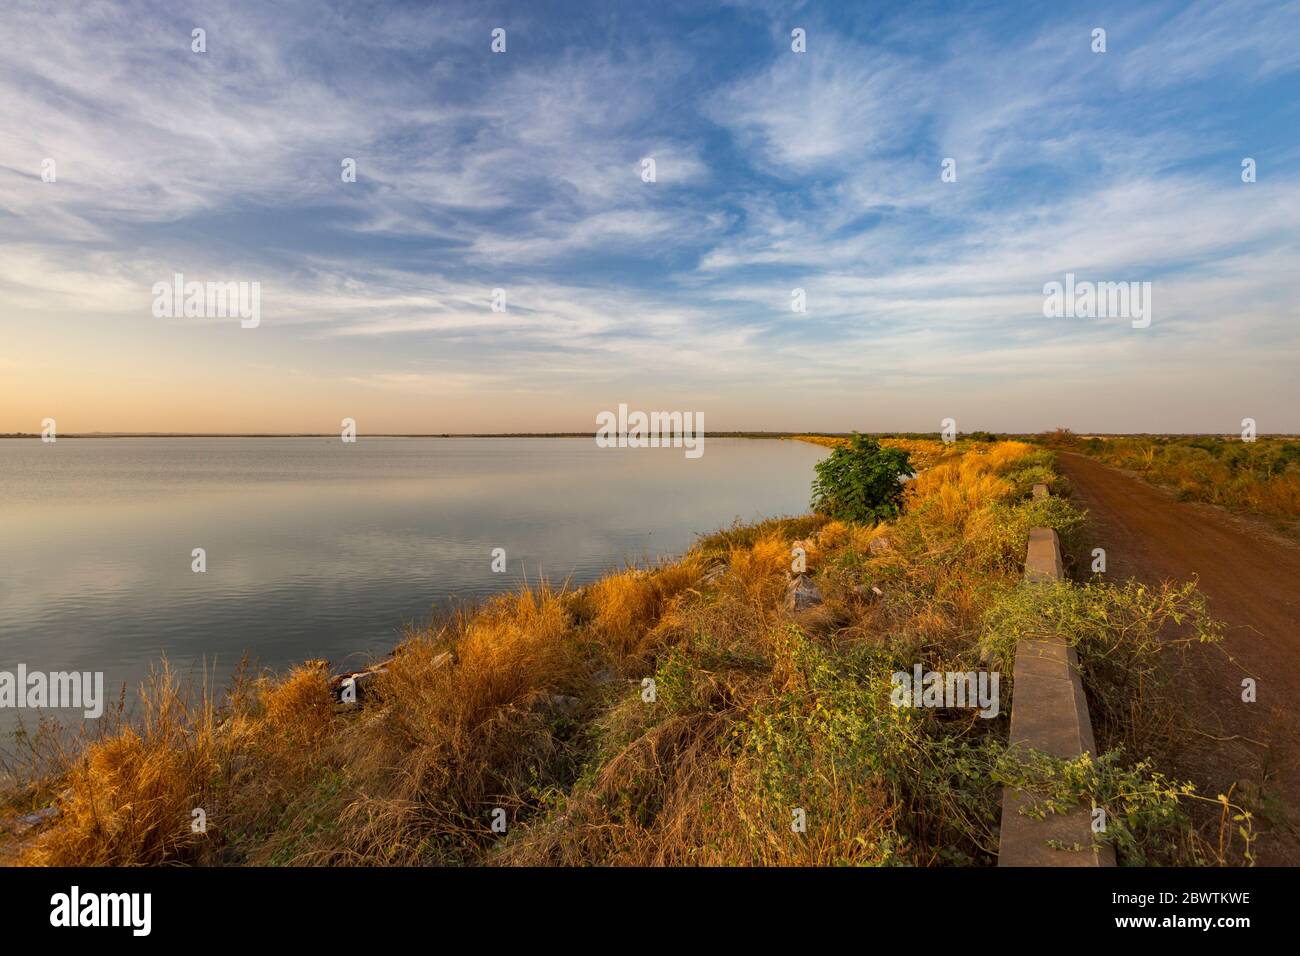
{"points": [[1049, 713]]}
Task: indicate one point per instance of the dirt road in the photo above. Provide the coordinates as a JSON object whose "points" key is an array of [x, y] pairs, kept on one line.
{"points": [[1252, 579]]}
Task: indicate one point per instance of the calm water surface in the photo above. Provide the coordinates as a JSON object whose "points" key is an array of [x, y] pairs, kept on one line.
{"points": [[320, 549]]}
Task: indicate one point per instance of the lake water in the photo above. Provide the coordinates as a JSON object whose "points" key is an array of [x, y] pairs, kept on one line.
{"points": [[316, 548]]}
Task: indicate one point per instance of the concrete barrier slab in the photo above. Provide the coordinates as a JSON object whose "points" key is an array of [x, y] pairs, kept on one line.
{"points": [[1043, 560], [1049, 713]]}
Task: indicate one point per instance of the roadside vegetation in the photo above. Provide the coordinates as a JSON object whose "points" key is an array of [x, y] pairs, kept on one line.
{"points": [[1260, 477], [680, 714]]}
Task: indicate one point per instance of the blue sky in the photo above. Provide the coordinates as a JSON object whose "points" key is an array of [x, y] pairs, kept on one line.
{"points": [[775, 170]]}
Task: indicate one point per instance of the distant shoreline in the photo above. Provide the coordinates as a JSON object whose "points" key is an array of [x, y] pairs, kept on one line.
{"points": [[592, 434]]}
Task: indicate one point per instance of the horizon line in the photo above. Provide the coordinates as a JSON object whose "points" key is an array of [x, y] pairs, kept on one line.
{"points": [[734, 433]]}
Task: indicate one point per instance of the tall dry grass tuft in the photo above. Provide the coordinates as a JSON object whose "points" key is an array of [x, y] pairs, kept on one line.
{"points": [[950, 494], [759, 570], [626, 607], [451, 739], [131, 794], [1004, 455], [508, 649]]}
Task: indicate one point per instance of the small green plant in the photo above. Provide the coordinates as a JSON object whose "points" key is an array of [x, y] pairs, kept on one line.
{"points": [[1128, 638], [1145, 813], [862, 482]]}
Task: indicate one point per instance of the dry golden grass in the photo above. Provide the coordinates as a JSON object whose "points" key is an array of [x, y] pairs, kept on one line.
{"points": [[626, 606], [923, 452], [758, 568], [957, 490], [130, 794], [419, 772], [826, 441]]}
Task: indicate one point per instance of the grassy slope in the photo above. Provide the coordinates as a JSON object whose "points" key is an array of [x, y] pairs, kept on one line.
{"points": [[543, 714]]}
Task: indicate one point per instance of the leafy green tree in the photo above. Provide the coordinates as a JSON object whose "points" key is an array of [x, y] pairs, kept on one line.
{"points": [[863, 482]]}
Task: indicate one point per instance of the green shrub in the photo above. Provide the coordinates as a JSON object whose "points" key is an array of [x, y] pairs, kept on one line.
{"points": [[863, 482], [1036, 458], [1026, 478], [1146, 812], [1001, 542], [1125, 636]]}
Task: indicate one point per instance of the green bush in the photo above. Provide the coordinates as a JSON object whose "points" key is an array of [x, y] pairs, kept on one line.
{"points": [[1026, 478], [1001, 542], [1126, 637], [863, 482]]}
